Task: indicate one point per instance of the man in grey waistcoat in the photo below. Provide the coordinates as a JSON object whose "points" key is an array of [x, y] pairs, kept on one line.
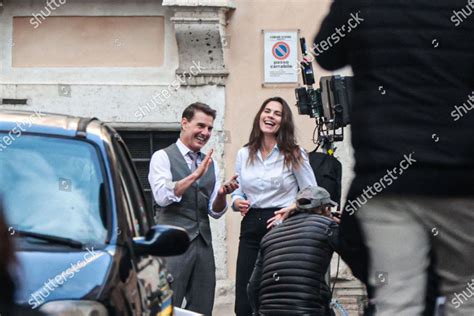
{"points": [[187, 189]]}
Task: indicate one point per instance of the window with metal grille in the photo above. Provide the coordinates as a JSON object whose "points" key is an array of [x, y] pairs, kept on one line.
{"points": [[142, 145]]}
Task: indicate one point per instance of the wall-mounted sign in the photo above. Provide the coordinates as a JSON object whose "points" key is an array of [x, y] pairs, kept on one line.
{"points": [[280, 57]]}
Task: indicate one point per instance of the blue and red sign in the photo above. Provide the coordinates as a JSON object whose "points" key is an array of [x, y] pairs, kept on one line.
{"points": [[281, 50]]}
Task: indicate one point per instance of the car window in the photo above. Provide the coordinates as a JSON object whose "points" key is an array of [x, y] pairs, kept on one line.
{"points": [[132, 185], [132, 221], [54, 186]]}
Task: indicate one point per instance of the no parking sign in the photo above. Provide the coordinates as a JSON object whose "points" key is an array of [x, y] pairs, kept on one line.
{"points": [[281, 50], [281, 57]]}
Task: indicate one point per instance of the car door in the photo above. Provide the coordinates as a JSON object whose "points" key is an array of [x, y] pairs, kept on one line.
{"points": [[148, 267]]}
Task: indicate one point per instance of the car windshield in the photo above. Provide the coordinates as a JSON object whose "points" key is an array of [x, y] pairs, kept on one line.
{"points": [[53, 186]]}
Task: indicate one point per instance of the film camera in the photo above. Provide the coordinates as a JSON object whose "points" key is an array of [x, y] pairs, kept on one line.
{"points": [[330, 104]]}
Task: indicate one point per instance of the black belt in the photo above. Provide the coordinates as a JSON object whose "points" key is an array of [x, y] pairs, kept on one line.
{"points": [[263, 212], [269, 209]]}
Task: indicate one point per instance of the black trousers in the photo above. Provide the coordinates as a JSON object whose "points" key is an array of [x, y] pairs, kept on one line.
{"points": [[252, 229]]}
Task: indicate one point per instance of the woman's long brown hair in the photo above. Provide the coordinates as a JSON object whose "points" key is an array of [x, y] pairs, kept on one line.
{"points": [[285, 136]]}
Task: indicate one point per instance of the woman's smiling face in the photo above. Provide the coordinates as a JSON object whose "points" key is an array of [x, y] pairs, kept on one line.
{"points": [[270, 118]]}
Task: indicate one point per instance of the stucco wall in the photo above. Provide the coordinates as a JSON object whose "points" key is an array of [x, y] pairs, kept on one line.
{"points": [[90, 75], [88, 41], [113, 94], [116, 94], [244, 91]]}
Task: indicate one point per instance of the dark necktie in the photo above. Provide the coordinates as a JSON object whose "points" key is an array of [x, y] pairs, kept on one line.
{"points": [[194, 160]]}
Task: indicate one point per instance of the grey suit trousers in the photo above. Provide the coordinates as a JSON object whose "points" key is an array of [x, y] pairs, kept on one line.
{"points": [[194, 277], [400, 231]]}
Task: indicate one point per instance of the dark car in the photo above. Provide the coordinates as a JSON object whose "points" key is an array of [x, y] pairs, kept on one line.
{"points": [[86, 242]]}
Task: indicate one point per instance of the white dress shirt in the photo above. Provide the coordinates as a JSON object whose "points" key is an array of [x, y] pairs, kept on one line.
{"points": [[160, 177], [268, 183]]}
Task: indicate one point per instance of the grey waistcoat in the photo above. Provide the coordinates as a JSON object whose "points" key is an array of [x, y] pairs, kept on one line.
{"points": [[192, 212]]}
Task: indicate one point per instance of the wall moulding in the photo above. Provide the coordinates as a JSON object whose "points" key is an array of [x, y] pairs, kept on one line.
{"points": [[230, 4], [201, 38]]}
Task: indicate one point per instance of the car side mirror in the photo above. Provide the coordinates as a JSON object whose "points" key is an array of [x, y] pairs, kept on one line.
{"points": [[162, 241]]}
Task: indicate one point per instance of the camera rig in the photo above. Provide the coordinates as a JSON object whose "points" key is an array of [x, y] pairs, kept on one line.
{"points": [[329, 105]]}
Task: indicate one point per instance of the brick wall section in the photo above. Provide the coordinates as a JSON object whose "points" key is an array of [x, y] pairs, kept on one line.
{"points": [[351, 294]]}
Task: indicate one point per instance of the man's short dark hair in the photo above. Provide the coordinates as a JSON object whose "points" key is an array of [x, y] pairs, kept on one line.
{"points": [[191, 109]]}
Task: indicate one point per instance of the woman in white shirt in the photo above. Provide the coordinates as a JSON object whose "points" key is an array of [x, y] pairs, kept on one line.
{"points": [[271, 168]]}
